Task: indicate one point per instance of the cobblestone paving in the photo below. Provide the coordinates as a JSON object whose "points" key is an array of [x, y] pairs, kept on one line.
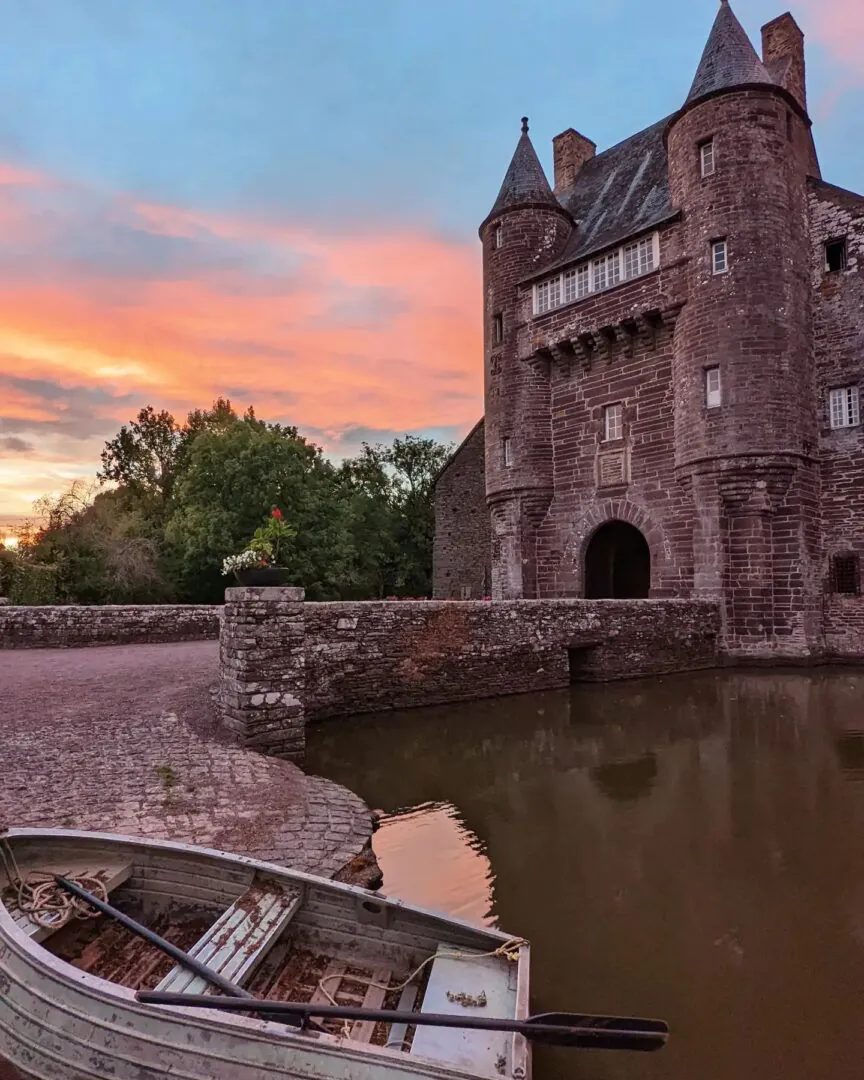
{"points": [[124, 739]]}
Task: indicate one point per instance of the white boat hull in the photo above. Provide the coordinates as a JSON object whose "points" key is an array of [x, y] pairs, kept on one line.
{"points": [[61, 1023]]}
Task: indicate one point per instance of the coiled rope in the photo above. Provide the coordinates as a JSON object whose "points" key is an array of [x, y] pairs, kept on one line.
{"points": [[42, 899], [508, 949]]}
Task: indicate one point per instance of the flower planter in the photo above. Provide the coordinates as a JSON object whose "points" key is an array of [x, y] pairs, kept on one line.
{"points": [[263, 576]]}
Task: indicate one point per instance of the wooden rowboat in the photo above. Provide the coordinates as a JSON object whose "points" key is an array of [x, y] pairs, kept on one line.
{"points": [[68, 1009]]}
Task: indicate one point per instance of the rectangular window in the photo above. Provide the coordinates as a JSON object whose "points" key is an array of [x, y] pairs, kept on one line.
{"points": [[583, 280], [713, 392], [844, 406], [607, 271], [499, 236], [613, 422], [548, 295], [836, 255], [706, 157], [498, 328], [846, 575], [639, 258], [507, 446], [719, 257], [570, 290]]}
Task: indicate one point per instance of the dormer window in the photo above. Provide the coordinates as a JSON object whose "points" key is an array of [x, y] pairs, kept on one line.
{"points": [[598, 274], [706, 157]]}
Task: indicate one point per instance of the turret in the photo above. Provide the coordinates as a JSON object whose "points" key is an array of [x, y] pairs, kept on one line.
{"points": [[745, 426], [526, 228]]}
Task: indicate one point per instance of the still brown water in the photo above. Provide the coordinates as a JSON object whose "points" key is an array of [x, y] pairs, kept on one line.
{"points": [[690, 848]]}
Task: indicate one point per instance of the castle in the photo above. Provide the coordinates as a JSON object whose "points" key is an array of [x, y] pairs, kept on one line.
{"points": [[674, 351]]}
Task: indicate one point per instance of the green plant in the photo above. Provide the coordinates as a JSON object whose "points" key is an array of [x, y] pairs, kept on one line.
{"points": [[264, 547]]}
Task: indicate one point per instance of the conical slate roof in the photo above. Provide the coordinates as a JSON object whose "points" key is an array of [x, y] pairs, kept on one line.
{"points": [[729, 59], [525, 181]]}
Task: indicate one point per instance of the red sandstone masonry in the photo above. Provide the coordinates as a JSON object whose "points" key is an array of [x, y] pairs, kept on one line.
{"points": [[364, 657], [76, 626]]}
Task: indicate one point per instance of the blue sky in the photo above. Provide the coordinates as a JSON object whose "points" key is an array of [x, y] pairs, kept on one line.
{"points": [[345, 110], [278, 199]]}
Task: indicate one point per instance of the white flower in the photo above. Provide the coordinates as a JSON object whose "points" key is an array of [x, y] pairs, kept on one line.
{"points": [[244, 561]]}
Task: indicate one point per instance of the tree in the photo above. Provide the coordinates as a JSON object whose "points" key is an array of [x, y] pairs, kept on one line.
{"points": [[147, 455], [231, 479], [393, 516]]}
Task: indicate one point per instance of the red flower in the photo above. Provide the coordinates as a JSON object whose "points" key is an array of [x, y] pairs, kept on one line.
{"points": [[276, 513]]}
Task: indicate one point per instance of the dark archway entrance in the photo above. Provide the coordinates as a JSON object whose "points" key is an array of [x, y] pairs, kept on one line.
{"points": [[617, 564]]}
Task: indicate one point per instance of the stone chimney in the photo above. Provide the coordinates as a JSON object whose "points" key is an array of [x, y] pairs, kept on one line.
{"points": [[783, 55], [570, 152]]}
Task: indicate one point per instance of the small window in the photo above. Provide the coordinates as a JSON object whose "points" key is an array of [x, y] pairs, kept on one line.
{"points": [[844, 407], [507, 446], [613, 423], [846, 575], [790, 128], [499, 236], [713, 392], [719, 257], [498, 328], [465, 592], [706, 157], [836, 255]]}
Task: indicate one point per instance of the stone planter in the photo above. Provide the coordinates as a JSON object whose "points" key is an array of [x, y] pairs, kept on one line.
{"points": [[267, 576]]}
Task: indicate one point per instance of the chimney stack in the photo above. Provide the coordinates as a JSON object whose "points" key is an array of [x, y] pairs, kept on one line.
{"points": [[570, 151], [783, 55]]}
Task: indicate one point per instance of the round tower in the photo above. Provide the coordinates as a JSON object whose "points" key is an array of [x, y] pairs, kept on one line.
{"points": [[526, 228], [745, 419]]}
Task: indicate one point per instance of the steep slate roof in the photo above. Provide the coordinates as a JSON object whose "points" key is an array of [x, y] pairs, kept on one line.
{"points": [[729, 58], [625, 190], [525, 181], [618, 193]]}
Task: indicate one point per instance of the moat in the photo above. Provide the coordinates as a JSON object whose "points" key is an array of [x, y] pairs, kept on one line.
{"points": [[687, 847]]}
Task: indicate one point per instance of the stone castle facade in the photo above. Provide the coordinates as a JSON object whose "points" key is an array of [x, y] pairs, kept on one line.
{"points": [[674, 356]]}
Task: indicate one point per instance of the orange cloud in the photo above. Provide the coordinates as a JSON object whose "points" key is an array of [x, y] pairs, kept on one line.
{"points": [[107, 304]]}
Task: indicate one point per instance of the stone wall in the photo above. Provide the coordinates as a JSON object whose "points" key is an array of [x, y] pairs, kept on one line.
{"points": [[462, 551], [74, 626], [261, 664], [838, 301], [368, 656]]}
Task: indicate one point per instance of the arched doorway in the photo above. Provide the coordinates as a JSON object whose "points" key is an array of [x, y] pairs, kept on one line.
{"points": [[617, 564]]}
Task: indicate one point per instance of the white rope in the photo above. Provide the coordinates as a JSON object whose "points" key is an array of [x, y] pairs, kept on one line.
{"points": [[509, 950], [41, 898]]}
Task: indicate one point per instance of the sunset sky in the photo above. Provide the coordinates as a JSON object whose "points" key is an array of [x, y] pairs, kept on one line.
{"points": [[278, 200]]}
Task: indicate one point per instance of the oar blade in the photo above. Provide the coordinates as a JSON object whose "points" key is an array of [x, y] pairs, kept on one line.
{"points": [[598, 1032]]}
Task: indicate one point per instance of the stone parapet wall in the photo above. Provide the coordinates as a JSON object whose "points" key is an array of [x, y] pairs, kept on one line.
{"points": [[261, 654], [74, 626], [367, 656]]}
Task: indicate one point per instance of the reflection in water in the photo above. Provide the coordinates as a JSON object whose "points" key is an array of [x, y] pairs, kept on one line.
{"points": [[685, 847], [850, 751], [429, 857], [626, 781]]}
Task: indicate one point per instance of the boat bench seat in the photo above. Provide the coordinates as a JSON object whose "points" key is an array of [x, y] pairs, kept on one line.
{"points": [[239, 940], [454, 986], [112, 876]]}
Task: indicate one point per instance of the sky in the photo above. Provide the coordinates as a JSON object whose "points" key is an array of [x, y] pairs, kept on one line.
{"points": [[278, 200]]}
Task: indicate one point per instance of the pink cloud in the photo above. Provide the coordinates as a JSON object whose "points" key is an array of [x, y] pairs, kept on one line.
{"points": [[839, 26], [106, 302]]}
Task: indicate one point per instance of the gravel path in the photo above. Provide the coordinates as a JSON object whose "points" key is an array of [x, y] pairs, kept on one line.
{"points": [[124, 739]]}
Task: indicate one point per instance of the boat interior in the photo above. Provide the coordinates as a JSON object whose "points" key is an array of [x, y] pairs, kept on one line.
{"points": [[285, 939]]}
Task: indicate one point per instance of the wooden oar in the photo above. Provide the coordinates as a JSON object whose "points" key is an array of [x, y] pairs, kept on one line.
{"points": [[556, 1029], [208, 974]]}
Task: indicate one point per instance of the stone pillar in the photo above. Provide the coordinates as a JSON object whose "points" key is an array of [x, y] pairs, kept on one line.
{"points": [[261, 662]]}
